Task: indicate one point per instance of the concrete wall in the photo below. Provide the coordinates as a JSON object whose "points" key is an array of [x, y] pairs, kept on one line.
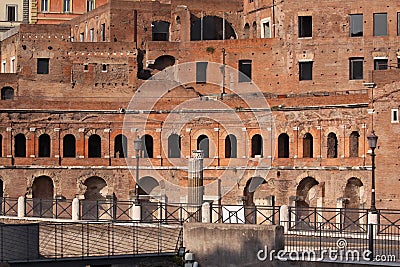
{"points": [[230, 245]]}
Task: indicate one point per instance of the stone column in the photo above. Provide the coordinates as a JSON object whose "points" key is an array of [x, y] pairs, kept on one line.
{"points": [[21, 207], [75, 209], [195, 183]]}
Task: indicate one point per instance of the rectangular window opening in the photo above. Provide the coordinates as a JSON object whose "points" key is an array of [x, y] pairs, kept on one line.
{"points": [[305, 70], [356, 68], [244, 71], [381, 64], [44, 5], [42, 66], [89, 5], [81, 37], [266, 28], [104, 67], [67, 6], [356, 25], [201, 72], [305, 26], [11, 13], [103, 32], [85, 67], [395, 115], [380, 24]]}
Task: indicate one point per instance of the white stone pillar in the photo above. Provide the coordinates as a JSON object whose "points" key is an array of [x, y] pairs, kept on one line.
{"points": [[21, 207], [320, 215], [75, 209], [339, 207], [205, 212], [373, 219], [136, 212], [284, 218]]}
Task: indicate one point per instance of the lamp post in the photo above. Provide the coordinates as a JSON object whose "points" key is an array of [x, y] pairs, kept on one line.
{"points": [[138, 145], [372, 141]]}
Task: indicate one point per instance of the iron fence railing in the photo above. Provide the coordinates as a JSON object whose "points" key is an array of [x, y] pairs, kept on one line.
{"points": [[9, 206], [48, 208]]}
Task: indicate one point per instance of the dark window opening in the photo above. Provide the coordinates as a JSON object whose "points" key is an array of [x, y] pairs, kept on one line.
{"points": [[246, 31], [211, 28], [160, 31], [7, 93], [148, 146], [89, 5], [307, 146], [201, 72], [381, 64], [398, 62], [203, 143], [256, 146], [94, 146], [163, 62], [44, 145], [332, 145], [42, 66], [283, 146], [174, 146], [43, 189], [244, 71], [398, 23], [1, 152], [356, 25], [354, 138], [85, 67], [305, 70], [11, 13], [305, 26], [120, 146], [20, 145], [103, 32], [230, 146], [254, 28], [380, 24], [356, 68], [69, 146], [104, 67]]}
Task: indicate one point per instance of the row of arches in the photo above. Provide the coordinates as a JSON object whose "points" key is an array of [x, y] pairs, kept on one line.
{"points": [[174, 146]]}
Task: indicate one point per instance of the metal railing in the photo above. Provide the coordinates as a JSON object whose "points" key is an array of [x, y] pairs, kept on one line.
{"points": [[48, 208]]}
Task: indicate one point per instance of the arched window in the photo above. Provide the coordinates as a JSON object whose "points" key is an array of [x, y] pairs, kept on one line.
{"points": [[163, 62], [174, 146], [246, 31], [20, 145], [94, 146], [42, 194], [160, 30], [203, 143], [283, 146], [308, 146], [7, 93], [44, 145], [148, 146], [354, 137], [332, 144], [69, 146], [256, 146], [254, 29], [120, 146], [230, 146]]}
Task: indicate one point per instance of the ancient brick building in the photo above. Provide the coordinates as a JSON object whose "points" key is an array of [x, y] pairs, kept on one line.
{"points": [[81, 92]]}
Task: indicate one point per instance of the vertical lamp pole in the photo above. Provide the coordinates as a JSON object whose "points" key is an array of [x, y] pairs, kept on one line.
{"points": [[138, 145], [372, 141]]}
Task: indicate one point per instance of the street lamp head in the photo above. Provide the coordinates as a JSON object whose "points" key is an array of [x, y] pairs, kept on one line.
{"points": [[138, 144], [372, 140]]}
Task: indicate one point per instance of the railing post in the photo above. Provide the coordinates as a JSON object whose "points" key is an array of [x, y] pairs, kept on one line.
{"points": [[205, 212], [339, 215], [21, 207], [284, 218], [75, 209], [136, 212], [372, 232]]}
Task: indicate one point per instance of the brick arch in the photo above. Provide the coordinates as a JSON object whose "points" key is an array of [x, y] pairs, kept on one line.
{"points": [[364, 181], [81, 187], [302, 176], [53, 135], [53, 176], [331, 129]]}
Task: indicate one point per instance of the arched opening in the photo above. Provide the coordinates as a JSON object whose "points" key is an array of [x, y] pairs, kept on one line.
{"points": [[254, 29], [94, 205], [43, 194], [283, 146], [352, 203], [20, 145], [148, 186], [306, 197], [256, 146], [248, 198], [1, 146], [230, 146], [94, 146], [246, 31], [174, 146], [160, 30], [44, 145], [308, 146], [148, 146], [163, 62], [203, 143], [7, 93], [332, 146], [211, 28], [120, 146], [69, 146], [354, 143]]}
